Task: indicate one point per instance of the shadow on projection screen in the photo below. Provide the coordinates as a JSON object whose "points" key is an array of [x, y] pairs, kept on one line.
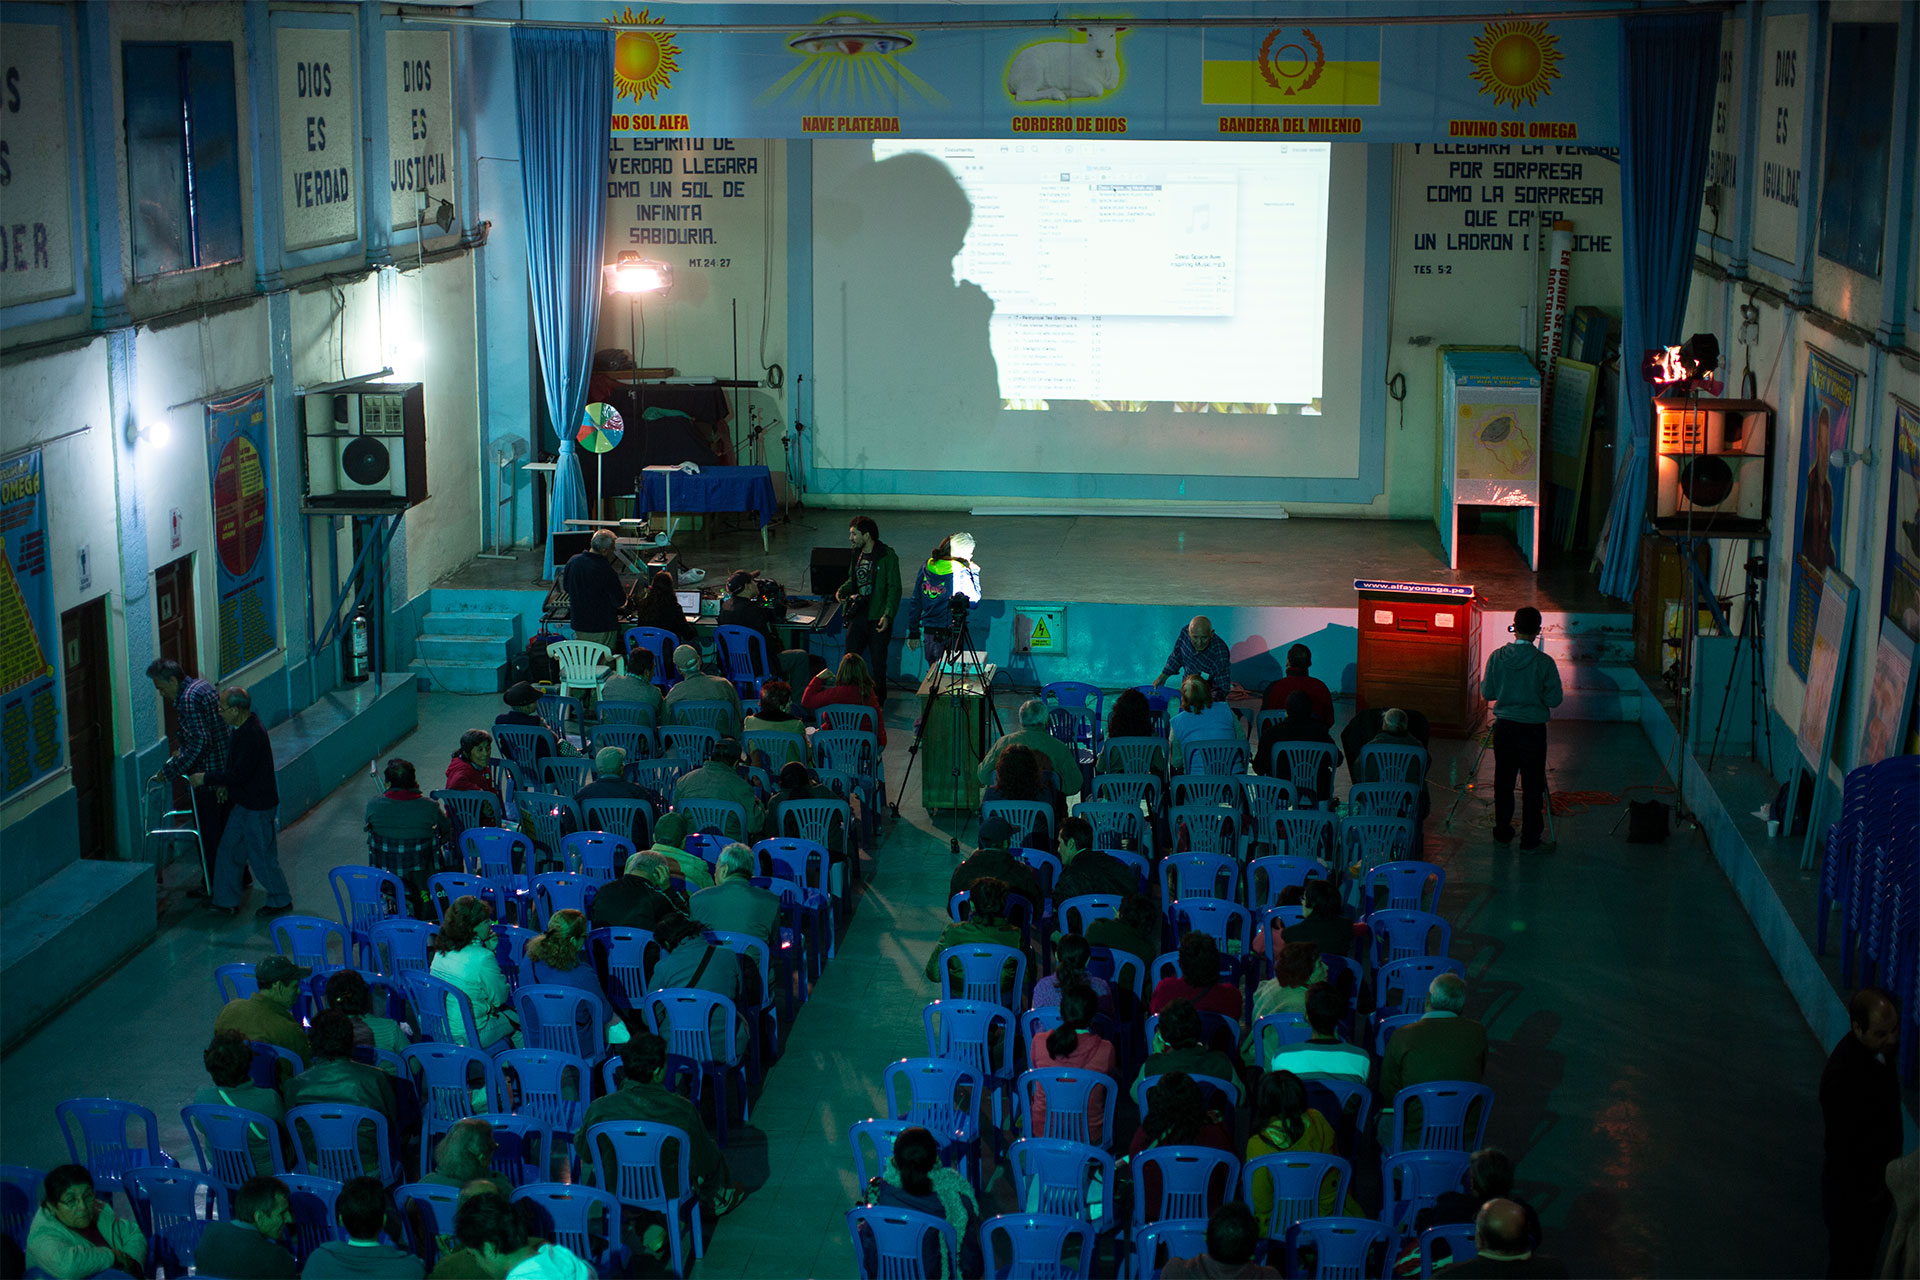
{"points": [[1136, 276]]}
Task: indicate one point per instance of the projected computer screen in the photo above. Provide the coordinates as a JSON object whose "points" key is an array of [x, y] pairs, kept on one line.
{"points": [[1134, 274]]}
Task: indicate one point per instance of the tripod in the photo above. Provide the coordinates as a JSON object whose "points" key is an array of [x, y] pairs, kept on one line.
{"points": [[955, 681], [1753, 645]]}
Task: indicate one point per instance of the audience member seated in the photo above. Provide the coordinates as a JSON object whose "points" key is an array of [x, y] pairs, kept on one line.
{"points": [[643, 1095], [914, 1178], [467, 771], [669, 834], [1500, 1233], [406, 833], [640, 896], [1033, 735], [1299, 725], [1198, 980], [850, 684], [993, 859], [74, 1233], [558, 958], [457, 1262], [523, 709], [1297, 966], [1319, 697], [1324, 1053], [1130, 717], [1180, 1114], [348, 992], [635, 684], [248, 1243], [1073, 1044], [1070, 956], [1201, 718], [267, 1014], [797, 782], [1442, 1045], [719, 779], [229, 1063], [493, 1228], [987, 897], [696, 685], [610, 783], [336, 1077], [1135, 932], [689, 962], [1394, 733], [465, 1152], [1019, 776], [463, 954], [658, 605], [1232, 1233], [1326, 925], [1085, 869], [362, 1209], [1490, 1175], [1282, 1121], [735, 904], [1179, 1045], [742, 606], [775, 715], [1365, 725]]}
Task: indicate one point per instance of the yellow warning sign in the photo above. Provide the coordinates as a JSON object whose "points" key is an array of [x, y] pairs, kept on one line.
{"points": [[26, 660], [1041, 638]]}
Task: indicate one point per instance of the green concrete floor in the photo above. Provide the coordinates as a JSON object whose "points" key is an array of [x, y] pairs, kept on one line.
{"points": [[1654, 1078]]}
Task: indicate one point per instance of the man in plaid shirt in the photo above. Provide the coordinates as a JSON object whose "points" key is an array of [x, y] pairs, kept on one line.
{"points": [[1198, 651], [202, 748]]}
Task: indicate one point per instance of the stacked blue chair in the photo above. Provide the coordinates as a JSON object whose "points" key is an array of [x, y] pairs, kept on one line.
{"points": [[96, 1130]]}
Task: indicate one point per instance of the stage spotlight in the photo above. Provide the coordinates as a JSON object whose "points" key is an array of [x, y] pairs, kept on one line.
{"points": [[633, 274], [443, 217], [1701, 355]]}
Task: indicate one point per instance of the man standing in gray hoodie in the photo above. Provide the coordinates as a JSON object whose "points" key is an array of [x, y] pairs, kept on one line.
{"points": [[1524, 683]]}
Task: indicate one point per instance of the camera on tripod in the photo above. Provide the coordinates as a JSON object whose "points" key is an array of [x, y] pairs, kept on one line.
{"points": [[1756, 566], [957, 606]]}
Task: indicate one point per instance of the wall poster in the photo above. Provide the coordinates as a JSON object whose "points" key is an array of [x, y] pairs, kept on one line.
{"points": [[237, 462], [32, 743], [1819, 504], [1890, 699], [1900, 596]]}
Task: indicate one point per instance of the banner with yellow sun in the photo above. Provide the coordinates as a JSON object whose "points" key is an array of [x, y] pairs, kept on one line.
{"points": [[897, 70]]}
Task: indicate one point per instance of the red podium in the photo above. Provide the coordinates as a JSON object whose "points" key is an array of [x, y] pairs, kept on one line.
{"points": [[1420, 650]]}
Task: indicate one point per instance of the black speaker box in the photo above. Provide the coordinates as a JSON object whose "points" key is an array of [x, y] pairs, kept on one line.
{"points": [[830, 568]]}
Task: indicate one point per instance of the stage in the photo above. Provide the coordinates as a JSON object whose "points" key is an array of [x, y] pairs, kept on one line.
{"points": [[1129, 584]]}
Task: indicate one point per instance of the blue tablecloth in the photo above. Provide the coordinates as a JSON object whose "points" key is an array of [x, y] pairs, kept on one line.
{"points": [[714, 489]]}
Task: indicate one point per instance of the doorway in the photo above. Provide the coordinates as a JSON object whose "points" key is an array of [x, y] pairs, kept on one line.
{"points": [[89, 695], [173, 597]]}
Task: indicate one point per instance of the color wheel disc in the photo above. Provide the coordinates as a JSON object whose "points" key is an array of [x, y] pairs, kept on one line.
{"points": [[600, 428]]}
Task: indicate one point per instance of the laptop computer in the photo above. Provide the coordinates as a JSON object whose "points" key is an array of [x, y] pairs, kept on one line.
{"points": [[689, 602]]}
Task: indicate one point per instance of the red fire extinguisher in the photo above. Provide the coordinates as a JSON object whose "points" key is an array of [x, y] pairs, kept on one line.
{"points": [[358, 647]]}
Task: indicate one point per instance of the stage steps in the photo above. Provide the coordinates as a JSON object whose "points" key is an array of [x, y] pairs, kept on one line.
{"points": [[66, 932], [465, 650]]}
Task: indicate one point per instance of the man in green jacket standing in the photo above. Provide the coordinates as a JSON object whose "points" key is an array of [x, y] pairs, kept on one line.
{"points": [[1524, 685], [871, 598]]}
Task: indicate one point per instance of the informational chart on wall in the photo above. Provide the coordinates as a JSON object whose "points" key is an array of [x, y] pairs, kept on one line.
{"points": [[1900, 597], [237, 463], [857, 72], [1786, 73], [1721, 195], [318, 136], [420, 124], [1819, 504], [36, 251], [1889, 698], [32, 743]]}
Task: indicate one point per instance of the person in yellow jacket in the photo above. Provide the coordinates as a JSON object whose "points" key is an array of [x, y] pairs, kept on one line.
{"points": [[1283, 1122]]}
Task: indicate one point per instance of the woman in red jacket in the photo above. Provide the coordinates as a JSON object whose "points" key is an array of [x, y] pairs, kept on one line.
{"points": [[467, 771], [851, 685]]}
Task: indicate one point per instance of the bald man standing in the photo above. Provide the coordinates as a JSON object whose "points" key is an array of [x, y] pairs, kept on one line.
{"points": [[1199, 652], [1860, 1105], [1506, 1250]]}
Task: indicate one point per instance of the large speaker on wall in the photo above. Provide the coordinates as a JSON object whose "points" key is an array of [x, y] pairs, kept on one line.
{"points": [[829, 569], [366, 448]]}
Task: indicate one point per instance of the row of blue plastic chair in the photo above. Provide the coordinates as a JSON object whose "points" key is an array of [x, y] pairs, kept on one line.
{"points": [[1869, 868]]}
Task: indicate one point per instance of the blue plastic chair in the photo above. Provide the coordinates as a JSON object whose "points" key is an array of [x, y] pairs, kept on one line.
{"points": [[269, 1058], [426, 1212], [447, 887], [942, 1097], [564, 775], [1390, 762], [1229, 924], [814, 820], [600, 855], [641, 742], [872, 1141], [558, 891], [308, 940], [446, 1076], [623, 957], [638, 1176], [1068, 1092], [1198, 875], [983, 973], [577, 1218], [1452, 1242], [173, 1208], [741, 653], [1304, 833], [401, 946], [1040, 1246], [524, 744], [1223, 756], [444, 1014], [1343, 1248], [687, 1019], [20, 1200], [1297, 1183], [1407, 886], [1346, 1104], [894, 1244], [510, 948], [1123, 970], [660, 643], [1209, 829], [223, 1139], [496, 853], [1276, 1031], [366, 896], [1194, 1181], [561, 1020], [1453, 1117], [1401, 986], [96, 1134], [1134, 755], [1117, 824], [1028, 818], [1366, 842], [314, 1222], [1267, 876], [326, 1142], [1056, 1176], [1383, 1029], [1076, 913], [550, 816], [1384, 800], [522, 1147], [964, 1031], [235, 981], [538, 1082], [1157, 1243], [1306, 765], [725, 817], [1404, 935], [1412, 1180]]}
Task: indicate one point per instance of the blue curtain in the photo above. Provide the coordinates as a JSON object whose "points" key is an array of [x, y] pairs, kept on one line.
{"points": [[1668, 67], [563, 89]]}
